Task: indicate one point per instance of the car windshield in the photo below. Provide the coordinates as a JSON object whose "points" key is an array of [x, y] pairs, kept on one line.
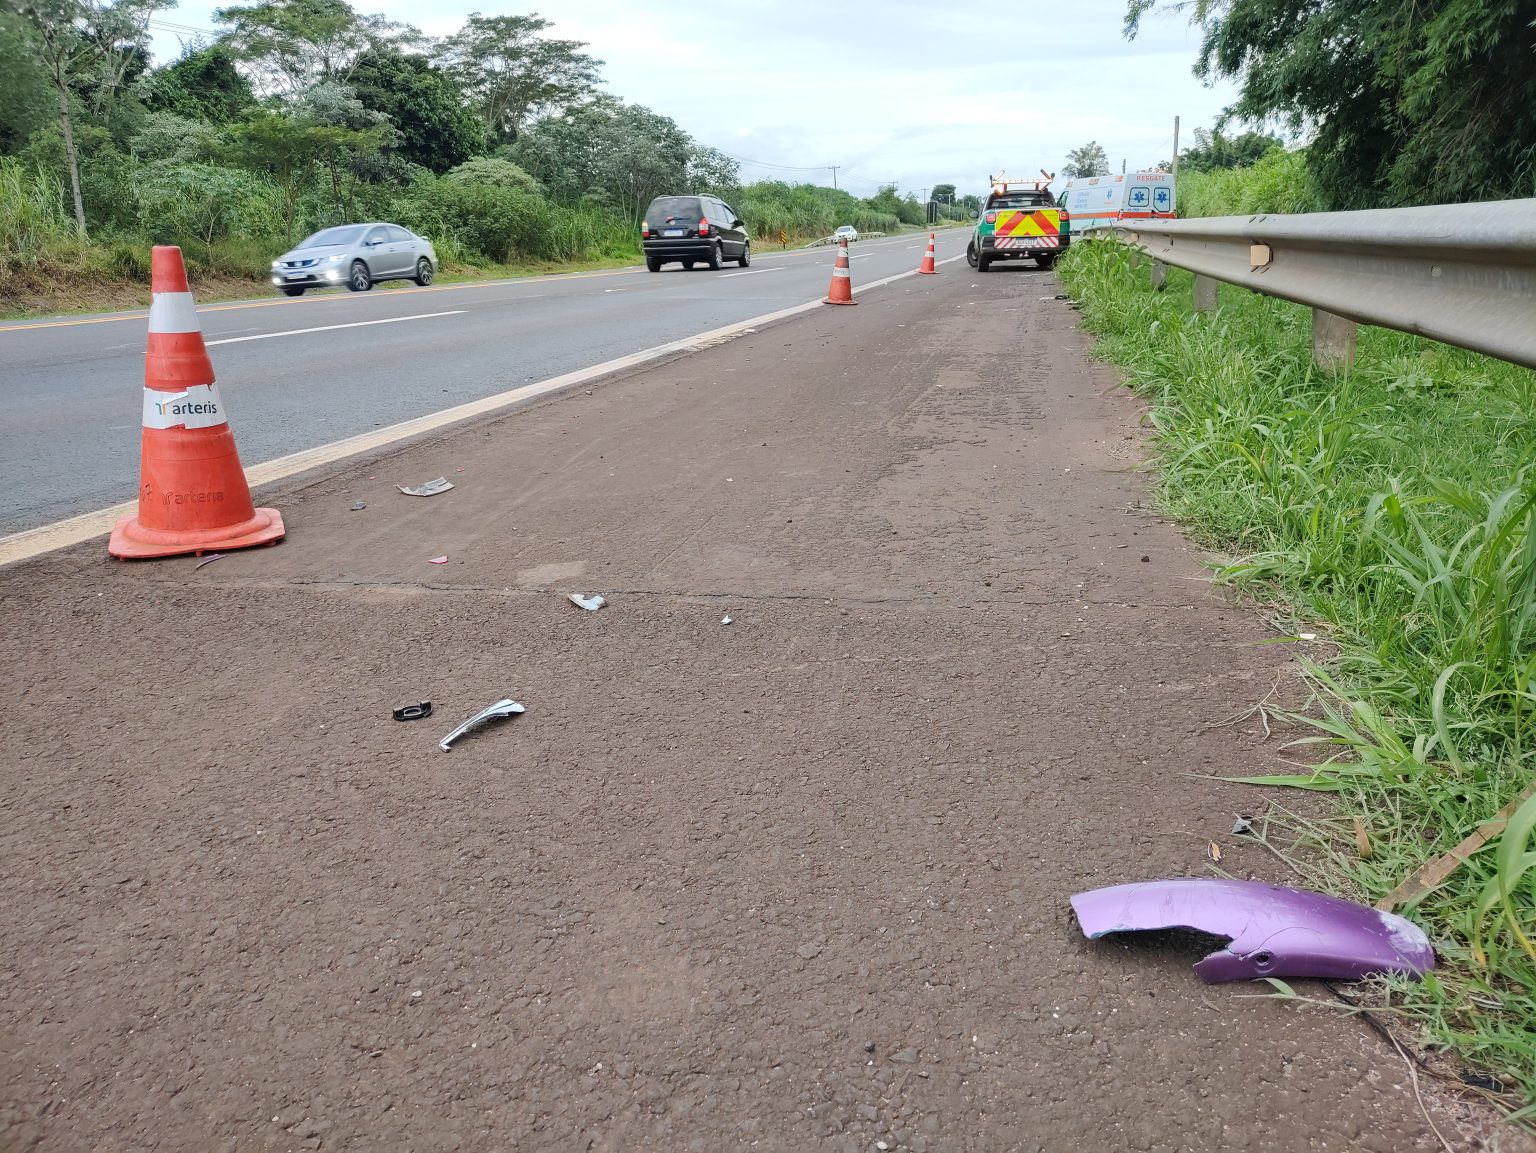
{"points": [[845, 228], [334, 237]]}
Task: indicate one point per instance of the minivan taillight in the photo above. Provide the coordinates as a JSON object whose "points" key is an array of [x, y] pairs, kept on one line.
{"points": [[703, 226], [645, 230]]}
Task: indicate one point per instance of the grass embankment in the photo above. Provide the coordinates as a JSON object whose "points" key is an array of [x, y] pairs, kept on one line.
{"points": [[1391, 510]]}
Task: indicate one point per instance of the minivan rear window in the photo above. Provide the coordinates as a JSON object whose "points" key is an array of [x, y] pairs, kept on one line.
{"points": [[679, 206]]}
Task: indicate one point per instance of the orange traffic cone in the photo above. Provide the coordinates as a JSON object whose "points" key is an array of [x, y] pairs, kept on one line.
{"points": [[192, 492], [926, 268], [841, 289]]}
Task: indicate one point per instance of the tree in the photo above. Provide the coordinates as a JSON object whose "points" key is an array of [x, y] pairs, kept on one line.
{"points": [[203, 85], [26, 102], [85, 44], [1408, 101], [353, 137], [290, 45], [944, 193], [1213, 150], [514, 74], [202, 200], [710, 170], [1089, 160], [164, 137], [425, 105], [290, 149], [608, 151], [495, 172]]}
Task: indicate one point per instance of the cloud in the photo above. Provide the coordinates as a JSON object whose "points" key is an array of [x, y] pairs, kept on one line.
{"points": [[899, 90]]}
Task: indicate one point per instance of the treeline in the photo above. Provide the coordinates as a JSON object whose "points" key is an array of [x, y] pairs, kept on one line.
{"points": [[1403, 103], [496, 142]]}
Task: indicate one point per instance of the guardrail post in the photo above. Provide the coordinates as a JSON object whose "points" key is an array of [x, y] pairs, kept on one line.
{"points": [[1205, 293], [1159, 275], [1333, 340]]}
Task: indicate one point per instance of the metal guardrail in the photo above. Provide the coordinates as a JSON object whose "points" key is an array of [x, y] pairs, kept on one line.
{"points": [[1464, 274]]}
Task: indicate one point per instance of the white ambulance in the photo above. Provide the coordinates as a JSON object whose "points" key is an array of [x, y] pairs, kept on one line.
{"points": [[1097, 202]]}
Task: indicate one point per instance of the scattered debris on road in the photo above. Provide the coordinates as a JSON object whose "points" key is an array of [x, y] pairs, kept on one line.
{"points": [[437, 560], [209, 560], [414, 712], [1213, 851], [358, 506], [1272, 931], [427, 488], [506, 707], [1241, 827], [590, 603], [725, 620]]}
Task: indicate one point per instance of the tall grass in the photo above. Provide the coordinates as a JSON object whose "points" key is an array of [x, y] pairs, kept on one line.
{"points": [[33, 218], [1391, 509], [1281, 182]]}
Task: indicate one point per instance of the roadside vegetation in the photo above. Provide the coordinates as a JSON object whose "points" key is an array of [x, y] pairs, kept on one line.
{"points": [[494, 142], [1390, 513], [1386, 515]]}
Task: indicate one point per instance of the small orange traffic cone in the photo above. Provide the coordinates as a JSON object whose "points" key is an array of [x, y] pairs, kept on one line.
{"points": [[841, 289], [193, 497], [926, 268]]}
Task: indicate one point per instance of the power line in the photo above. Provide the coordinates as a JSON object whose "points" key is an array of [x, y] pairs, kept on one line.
{"points": [[170, 26], [785, 167]]}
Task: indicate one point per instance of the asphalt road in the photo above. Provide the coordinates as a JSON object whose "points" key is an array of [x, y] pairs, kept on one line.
{"points": [[304, 372]]}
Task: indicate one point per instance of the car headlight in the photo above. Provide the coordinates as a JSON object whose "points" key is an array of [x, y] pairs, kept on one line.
{"points": [[276, 264]]}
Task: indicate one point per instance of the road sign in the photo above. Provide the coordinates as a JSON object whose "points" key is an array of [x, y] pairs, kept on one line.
{"points": [[783, 238]]}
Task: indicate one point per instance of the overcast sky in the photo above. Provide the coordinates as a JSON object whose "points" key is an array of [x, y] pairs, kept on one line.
{"points": [[896, 91]]}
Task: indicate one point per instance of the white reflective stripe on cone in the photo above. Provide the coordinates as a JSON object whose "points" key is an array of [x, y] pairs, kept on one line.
{"points": [[173, 312], [843, 272], [198, 406]]}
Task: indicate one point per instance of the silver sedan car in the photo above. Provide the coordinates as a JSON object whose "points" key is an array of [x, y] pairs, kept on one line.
{"points": [[357, 255]]}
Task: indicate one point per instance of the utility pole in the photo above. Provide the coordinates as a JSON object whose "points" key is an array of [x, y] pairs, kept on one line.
{"points": [[834, 168], [1175, 148], [1122, 168]]}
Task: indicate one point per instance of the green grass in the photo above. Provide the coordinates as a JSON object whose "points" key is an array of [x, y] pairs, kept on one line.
{"points": [[1392, 511]]}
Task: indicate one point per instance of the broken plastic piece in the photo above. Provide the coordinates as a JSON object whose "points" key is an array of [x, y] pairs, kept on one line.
{"points": [[358, 506], [209, 560], [437, 560], [725, 620], [1272, 931], [1241, 825], [591, 603], [413, 712], [428, 488], [506, 707]]}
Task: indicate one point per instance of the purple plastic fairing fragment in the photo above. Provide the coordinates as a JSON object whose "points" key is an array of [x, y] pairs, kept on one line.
{"points": [[1273, 931]]}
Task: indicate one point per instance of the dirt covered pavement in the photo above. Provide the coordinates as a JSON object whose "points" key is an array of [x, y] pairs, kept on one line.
{"points": [[798, 882]]}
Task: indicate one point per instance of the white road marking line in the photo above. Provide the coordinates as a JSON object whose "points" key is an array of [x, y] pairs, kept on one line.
{"points": [[46, 538], [748, 272], [333, 327]]}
